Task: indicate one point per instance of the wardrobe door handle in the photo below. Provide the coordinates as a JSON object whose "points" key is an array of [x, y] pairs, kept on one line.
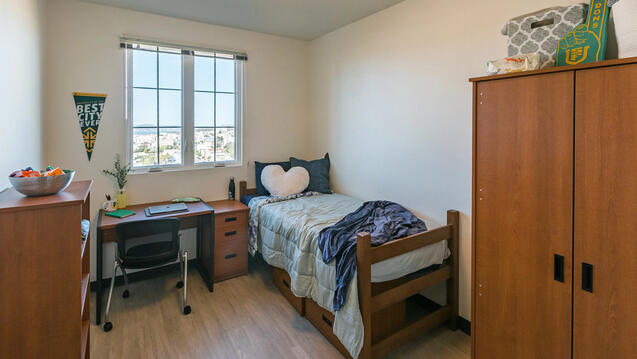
{"points": [[558, 268], [587, 277]]}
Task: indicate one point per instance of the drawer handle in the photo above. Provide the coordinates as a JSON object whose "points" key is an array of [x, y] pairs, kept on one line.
{"points": [[326, 320], [231, 219], [229, 256], [228, 234], [285, 283]]}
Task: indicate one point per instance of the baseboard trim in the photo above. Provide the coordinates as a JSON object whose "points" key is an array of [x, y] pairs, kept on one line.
{"points": [[463, 324], [145, 274]]}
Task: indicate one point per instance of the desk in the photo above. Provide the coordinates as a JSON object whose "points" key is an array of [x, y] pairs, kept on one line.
{"points": [[200, 215]]}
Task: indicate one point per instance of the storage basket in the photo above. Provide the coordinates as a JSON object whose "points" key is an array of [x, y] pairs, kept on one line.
{"points": [[539, 32]]}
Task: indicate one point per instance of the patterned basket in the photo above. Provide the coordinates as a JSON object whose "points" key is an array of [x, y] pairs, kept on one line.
{"points": [[539, 32]]}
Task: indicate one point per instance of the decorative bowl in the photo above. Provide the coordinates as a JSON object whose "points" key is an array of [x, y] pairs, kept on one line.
{"points": [[42, 186]]}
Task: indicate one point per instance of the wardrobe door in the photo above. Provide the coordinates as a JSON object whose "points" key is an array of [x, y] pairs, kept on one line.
{"points": [[605, 248], [523, 208]]}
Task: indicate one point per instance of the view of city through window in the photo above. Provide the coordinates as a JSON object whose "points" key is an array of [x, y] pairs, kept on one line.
{"points": [[157, 109]]}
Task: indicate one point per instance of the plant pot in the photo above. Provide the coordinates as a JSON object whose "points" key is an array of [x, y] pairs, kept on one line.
{"points": [[624, 14], [121, 199]]}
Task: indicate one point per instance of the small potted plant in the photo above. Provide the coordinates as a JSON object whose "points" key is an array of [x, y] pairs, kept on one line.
{"points": [[119, 172]]}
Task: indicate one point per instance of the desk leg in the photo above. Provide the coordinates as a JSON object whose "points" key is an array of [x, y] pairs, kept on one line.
{"points": [[98, 275], [212, 251], [205, 249]]}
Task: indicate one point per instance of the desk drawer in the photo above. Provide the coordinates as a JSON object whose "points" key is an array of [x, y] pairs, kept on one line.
{"points": [[231, 259], [231, 219], [234, 233]]}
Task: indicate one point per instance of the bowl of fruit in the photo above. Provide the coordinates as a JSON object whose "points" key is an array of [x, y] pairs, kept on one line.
{"points": [[33, 183]]}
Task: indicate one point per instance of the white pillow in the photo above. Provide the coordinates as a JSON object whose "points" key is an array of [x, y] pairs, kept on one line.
{"points": [[280, 183]]}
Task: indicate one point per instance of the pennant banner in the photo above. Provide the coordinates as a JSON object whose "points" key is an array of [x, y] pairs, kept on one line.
{"points": [[89, 107]]}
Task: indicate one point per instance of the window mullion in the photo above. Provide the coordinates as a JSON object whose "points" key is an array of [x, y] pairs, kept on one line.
{"points": [[189, 110], [214, 109], [128, 111], [238, 114], [157, 94]]}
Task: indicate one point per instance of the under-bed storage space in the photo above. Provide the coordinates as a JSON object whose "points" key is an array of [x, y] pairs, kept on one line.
{"points": [[282, 281]]}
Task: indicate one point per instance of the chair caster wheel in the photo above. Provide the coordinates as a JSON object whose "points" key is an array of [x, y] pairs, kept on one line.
{"points": [[126, 294], [187, 310], [108, 326], [180, 284]]}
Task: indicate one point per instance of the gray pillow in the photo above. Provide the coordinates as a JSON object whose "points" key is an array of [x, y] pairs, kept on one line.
{"points": [[319, 171]]}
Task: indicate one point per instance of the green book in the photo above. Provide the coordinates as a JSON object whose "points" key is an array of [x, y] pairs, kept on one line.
{"points": [[120, 213]]}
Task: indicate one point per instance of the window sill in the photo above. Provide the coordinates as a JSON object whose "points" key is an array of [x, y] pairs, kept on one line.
{"points": [[143, 171]]}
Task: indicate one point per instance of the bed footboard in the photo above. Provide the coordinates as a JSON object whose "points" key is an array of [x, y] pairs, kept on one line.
{"points": [[372, 301]]}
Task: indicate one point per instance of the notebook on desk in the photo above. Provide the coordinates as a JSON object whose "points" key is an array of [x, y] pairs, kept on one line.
{"points": [[165, 208]]}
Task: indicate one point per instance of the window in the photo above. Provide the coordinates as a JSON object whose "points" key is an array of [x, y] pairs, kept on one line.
{"points": [[184, 106], [215, 119]]}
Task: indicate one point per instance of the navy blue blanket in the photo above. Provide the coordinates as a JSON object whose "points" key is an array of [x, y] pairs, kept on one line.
{"points": [[384, 220]]}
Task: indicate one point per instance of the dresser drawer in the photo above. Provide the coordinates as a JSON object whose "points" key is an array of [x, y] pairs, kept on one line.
{"points": [[281, 280], [231, 219], [323, 320], [234, 233], [231, 259]]}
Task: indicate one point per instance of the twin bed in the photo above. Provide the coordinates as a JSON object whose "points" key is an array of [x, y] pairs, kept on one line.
{"points": [[372, 320]]}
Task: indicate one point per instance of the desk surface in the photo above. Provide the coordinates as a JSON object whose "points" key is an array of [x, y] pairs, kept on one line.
{"points": [[194, 209]]}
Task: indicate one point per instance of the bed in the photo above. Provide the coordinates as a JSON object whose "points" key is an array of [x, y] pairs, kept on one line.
{"points": [[372, 320]]}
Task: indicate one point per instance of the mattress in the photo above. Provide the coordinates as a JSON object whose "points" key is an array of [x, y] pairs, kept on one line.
{"points": [[287, 237]]}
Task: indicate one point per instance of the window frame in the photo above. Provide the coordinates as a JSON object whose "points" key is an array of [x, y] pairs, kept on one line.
{"points": [[188, 119]]}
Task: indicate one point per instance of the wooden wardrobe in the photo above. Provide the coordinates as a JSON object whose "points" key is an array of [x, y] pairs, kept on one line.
{"points": [[555, 213]]}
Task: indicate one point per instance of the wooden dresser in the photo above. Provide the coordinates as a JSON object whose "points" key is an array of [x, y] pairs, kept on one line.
{"points": [[44, 274], [231, 239]]}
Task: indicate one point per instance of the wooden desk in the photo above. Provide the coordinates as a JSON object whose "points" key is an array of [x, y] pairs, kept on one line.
{"points": [[200, 215]]}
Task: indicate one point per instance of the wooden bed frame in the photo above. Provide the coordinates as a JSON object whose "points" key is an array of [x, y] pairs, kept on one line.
{"points": [[377, 301]]}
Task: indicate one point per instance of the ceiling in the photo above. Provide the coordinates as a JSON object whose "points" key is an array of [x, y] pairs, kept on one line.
{"points": [[299, 19]]}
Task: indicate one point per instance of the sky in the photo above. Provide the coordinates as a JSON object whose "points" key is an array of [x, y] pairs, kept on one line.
{"points": [[208, 89]]}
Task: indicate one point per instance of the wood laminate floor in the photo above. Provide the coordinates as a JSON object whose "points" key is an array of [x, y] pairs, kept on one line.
{"points": [[245, 317]]}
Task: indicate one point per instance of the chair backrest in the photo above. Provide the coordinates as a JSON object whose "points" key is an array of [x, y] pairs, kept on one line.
{"points": [[148, 242]]}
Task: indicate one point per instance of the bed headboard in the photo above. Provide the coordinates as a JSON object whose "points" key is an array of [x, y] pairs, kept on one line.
{"points": [[244, 190]]}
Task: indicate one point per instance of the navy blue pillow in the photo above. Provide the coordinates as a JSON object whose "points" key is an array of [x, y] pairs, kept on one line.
{"points": [[319, 171], [258, 168]]}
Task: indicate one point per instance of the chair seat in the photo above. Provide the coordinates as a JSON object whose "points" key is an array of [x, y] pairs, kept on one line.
{"points": [[149, 254]]}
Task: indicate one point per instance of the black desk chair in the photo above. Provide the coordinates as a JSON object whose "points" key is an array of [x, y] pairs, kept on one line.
{"points": [[145, 244]]}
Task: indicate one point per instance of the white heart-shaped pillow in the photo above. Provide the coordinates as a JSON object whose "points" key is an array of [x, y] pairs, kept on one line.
{"points": [[280, 183]]}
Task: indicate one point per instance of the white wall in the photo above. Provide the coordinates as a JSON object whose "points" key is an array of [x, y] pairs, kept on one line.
{"points": [[392, 104], [20, 86], [83, 54]]}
